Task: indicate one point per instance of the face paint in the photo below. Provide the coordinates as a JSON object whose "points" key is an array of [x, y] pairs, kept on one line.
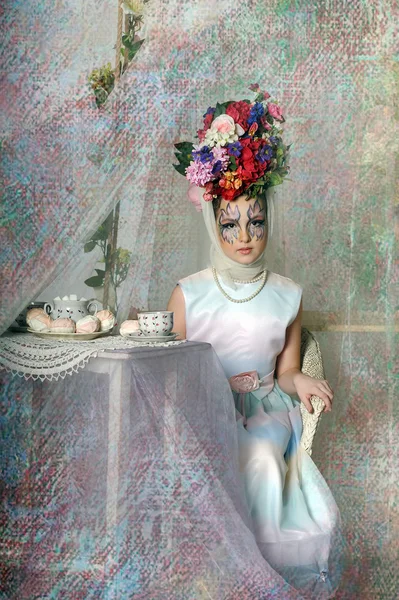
{"points": [[241, 226], [256, 214], [228, 224]]}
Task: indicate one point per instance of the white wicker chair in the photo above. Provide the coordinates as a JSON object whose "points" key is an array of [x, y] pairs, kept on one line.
{"points": [[312, 365]]}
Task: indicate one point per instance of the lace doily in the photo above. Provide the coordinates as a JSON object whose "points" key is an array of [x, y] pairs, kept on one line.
{"points": [[36, 358]]}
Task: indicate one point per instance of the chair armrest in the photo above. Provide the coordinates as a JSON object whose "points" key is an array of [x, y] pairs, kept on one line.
{"points": [[312, 365], [310, 423]]}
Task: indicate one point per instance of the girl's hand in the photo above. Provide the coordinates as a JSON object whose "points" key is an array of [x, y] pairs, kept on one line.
{"points": [[309, 386]]}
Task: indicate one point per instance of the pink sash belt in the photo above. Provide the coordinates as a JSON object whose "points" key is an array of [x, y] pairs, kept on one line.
{"points": [[243, 383]]}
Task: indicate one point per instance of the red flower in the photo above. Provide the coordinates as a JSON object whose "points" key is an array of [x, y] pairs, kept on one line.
{"points": [[239, 111], [201, 134], [252, 169], [208, 120], [231, 193]]}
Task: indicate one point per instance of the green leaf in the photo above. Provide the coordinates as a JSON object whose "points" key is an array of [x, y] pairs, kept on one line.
{"points": [[219, 110], [100, 272], [101, 233], [131, 54], [275, 179], [233, 163], [180, 169], [184, 159], [90, 246], [184, 147], [94, 281], [134, 46]]}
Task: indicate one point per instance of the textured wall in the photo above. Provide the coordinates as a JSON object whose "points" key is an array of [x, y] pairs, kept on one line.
{"points": [[334, 66]]}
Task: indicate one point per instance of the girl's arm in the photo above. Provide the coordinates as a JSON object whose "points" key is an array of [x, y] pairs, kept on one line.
{"points": [[288, 372], [178, 306]]}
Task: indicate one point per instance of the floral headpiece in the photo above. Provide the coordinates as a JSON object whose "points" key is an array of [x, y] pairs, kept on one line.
{"points": [[240, 149]]}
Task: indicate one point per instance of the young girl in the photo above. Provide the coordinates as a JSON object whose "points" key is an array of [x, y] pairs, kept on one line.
{"points": [[252, 318]]}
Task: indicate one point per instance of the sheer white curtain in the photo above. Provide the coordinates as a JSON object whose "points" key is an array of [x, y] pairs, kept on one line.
{"points": [[59, 163]]}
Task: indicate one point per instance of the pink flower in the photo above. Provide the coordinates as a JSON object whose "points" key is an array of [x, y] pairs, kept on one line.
{"points": [[194, 195], [222, 155], [275, 111], [223, 124], [208, 197], [199, 173], [253, 128], [265, 124], [244, 382], [254, 87]]}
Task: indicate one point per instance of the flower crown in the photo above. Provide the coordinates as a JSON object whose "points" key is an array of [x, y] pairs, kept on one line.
{"points": [[240, 149]]}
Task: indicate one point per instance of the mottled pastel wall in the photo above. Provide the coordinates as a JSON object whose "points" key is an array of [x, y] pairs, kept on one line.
{"points": [[334, 66]]}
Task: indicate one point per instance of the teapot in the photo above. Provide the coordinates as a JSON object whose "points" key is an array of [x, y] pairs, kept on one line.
{"points": [[70, 308]]}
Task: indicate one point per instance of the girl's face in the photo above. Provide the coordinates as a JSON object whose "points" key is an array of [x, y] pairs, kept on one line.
{"points": [[242, 228]]}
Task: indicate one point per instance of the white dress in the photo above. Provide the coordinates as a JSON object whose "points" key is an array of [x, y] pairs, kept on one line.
{"points": [[294, 515]]}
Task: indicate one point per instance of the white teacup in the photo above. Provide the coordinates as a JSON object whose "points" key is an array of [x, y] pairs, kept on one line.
{"points": [[156, 323]]}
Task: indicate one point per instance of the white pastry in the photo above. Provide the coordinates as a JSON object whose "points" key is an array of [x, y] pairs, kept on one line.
{"points": [[107, 319], [38, 320], [63, 326], [88, 324], [129, 327]]}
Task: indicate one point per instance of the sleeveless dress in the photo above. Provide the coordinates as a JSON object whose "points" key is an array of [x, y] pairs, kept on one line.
{"points": [[295, 519]]}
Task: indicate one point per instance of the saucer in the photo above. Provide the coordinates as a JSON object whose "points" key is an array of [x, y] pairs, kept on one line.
{"points": [[53, 335], [142, 337]]}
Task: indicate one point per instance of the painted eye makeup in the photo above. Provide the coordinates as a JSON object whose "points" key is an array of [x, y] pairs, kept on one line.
{"points": [[257, 229], [227, 225], [229, 230]]}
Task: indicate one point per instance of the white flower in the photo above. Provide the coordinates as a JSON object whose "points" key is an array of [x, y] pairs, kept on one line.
{"points": [[133, 7], [221, 132]]}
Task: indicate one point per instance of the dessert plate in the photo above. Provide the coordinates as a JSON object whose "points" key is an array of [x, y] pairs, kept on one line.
{"points": [[71, 337]]}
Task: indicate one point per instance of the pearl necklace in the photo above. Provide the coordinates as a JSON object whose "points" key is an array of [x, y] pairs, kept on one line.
{"points": [[240, 301]]}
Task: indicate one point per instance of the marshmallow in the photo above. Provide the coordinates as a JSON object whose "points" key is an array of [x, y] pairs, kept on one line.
{"points": [[63, 326], [88, 324], [107, 319], [38, 320], [128, 327]]}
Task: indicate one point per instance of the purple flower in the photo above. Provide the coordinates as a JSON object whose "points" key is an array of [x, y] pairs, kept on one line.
{"points": [[273, 139], [210, 111], [221, 155], [264, 154], [234, 149], [203, 155], [257, 111], [217, 167]]}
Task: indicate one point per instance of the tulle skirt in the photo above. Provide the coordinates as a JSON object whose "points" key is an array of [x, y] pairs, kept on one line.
{"points": [[295, 518]]}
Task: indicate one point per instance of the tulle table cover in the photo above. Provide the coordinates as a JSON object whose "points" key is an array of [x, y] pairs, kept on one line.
{"points": [[121, 481]]}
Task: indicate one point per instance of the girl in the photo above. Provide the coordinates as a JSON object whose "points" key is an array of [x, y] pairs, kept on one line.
{"points": [[252, 318]]}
